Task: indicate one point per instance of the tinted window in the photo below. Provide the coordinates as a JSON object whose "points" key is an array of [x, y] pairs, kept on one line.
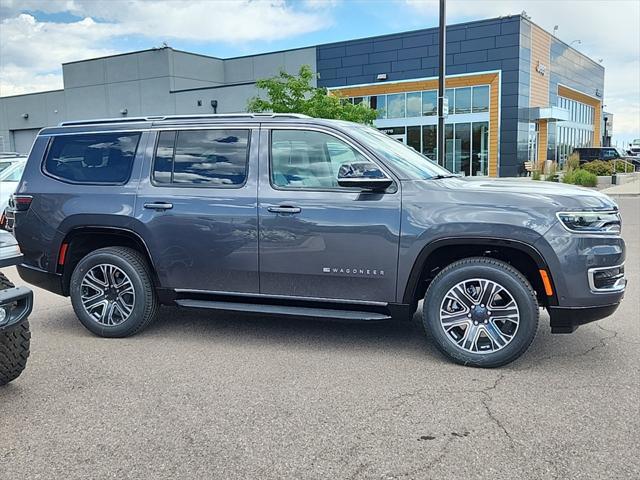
{"points": [[414, 104], [92, 158], [306, 159], [463, 100], [430, 102], [481, 98], [202, 157]]}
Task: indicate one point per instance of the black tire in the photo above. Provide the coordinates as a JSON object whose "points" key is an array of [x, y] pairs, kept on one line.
{"points": [[496, 271], [135, 266], [14, 345]]}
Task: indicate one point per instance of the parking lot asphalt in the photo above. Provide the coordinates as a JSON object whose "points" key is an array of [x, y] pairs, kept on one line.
{"points": [[205, 395]]}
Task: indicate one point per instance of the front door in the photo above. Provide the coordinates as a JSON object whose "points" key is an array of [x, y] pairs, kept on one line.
{"points": [[318, 239], [197, 205]]}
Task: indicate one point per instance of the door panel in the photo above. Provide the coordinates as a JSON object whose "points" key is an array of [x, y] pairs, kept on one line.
{"points": [[202, 236], [328, 242]]}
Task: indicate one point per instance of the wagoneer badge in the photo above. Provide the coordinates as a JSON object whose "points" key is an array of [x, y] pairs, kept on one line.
{"points": [[372, 272]]}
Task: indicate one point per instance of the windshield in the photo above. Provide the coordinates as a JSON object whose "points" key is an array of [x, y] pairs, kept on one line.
{"points": [[413, 164], [4, 166]]}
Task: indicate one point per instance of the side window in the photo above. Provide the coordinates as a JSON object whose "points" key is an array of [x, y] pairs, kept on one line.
{"points": [[16, 175], [308, 159], [201, 157], [92, 158], [609, 153]]}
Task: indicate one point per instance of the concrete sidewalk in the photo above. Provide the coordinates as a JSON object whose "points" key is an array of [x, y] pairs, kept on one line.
{"points": [[627, 189]]}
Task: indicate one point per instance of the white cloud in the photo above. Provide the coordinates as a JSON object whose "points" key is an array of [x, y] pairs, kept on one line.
{"points": [[31, 51], [608, 30]]}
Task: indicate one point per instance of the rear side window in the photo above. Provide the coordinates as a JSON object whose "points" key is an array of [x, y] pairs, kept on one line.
{"points": [[92, 158], [201, 158]]}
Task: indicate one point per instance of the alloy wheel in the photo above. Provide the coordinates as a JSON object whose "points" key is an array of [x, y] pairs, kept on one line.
{"points": [[107, 294], [479, 316]]}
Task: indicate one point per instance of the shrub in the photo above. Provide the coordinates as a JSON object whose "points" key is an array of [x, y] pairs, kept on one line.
{"points": [[573, 162], [535, 175], [622, 166], [599, 167], [581, 177]]}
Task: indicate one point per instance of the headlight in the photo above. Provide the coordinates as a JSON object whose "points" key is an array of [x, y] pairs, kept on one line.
{"points": [[591, 222]]}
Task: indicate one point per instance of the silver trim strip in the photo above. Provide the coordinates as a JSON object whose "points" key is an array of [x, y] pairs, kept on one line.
{"points": [[619, 286]]}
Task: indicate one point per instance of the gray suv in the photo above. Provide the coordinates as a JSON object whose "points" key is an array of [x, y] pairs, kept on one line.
{"points": [[290, 215]]}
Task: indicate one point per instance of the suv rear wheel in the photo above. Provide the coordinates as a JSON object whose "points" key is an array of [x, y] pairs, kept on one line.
{"points": [[112, 292], [481, 312]]}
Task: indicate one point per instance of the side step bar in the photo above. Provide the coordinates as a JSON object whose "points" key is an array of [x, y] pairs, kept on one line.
{"points": [[309, 312]]}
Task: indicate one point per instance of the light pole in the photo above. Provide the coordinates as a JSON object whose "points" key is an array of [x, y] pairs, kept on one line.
{"points": [[442, 61]]}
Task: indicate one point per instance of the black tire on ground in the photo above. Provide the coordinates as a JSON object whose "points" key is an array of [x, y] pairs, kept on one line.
{"points": [[14, 345], [135, 266], [496, 271]]}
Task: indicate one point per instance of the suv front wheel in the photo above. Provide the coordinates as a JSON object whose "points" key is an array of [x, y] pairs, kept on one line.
{"points": [[481, 312], [112, 292]]}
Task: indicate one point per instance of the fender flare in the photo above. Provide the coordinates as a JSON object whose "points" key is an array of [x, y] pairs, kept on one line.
{"points": [[421, 260]]}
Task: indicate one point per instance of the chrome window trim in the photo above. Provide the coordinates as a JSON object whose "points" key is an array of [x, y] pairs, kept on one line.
{"points": [[340, 136], [615, 288]]}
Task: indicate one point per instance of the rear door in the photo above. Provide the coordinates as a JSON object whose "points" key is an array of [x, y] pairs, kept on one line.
{"points": [[317, 239], [197, 202]]}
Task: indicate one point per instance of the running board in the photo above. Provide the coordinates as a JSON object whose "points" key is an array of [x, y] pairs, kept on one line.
{"points": [[284, 310]]}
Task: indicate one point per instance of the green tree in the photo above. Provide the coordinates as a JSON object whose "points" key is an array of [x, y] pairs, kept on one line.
{"points": [[288, 93]]}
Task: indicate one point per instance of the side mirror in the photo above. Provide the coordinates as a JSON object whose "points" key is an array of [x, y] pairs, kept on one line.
{"points": [[364, 175]]}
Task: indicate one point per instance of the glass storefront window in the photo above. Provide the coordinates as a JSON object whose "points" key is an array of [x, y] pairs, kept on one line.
{"points": [[380, 105], [396, 105], [462, 152], [480, 152], [413, 137], [451, 95], [448, 148], [414, 104], [463, 100], [430, 102], [430, 141], [481, 99]]}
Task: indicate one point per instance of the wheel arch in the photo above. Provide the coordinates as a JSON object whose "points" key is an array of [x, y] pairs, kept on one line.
{"points": [[81, 240], [442, 252]]}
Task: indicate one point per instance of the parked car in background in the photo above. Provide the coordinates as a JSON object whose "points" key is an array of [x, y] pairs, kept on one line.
{"points": [[11, 168], [634, 148], [290, 215], [588, 154]]}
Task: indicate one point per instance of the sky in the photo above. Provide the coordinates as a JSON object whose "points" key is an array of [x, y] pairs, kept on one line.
{"points": [[37, 36]]}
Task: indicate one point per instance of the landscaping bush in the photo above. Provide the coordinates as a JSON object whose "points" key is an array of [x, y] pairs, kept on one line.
{"points": [[581, 177], [535, 175], [623, 167], [599, 167], [573, 162]]}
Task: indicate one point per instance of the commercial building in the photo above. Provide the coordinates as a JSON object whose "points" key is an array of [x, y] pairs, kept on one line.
{"points": [[516, 92]]}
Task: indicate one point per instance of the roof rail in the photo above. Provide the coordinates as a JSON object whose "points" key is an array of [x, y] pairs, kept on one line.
{"points": [[181, 117]]}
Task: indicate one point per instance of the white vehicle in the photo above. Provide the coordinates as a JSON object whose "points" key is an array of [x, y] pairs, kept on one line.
{"points": [[11, 168]]}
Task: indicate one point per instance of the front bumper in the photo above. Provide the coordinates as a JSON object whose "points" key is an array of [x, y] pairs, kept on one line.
{"points": [[567, 319], [588, 276], [16, 304]]}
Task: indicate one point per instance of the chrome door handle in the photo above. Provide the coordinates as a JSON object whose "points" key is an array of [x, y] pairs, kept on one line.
{"points": [[284, 209], [158, 206]]}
